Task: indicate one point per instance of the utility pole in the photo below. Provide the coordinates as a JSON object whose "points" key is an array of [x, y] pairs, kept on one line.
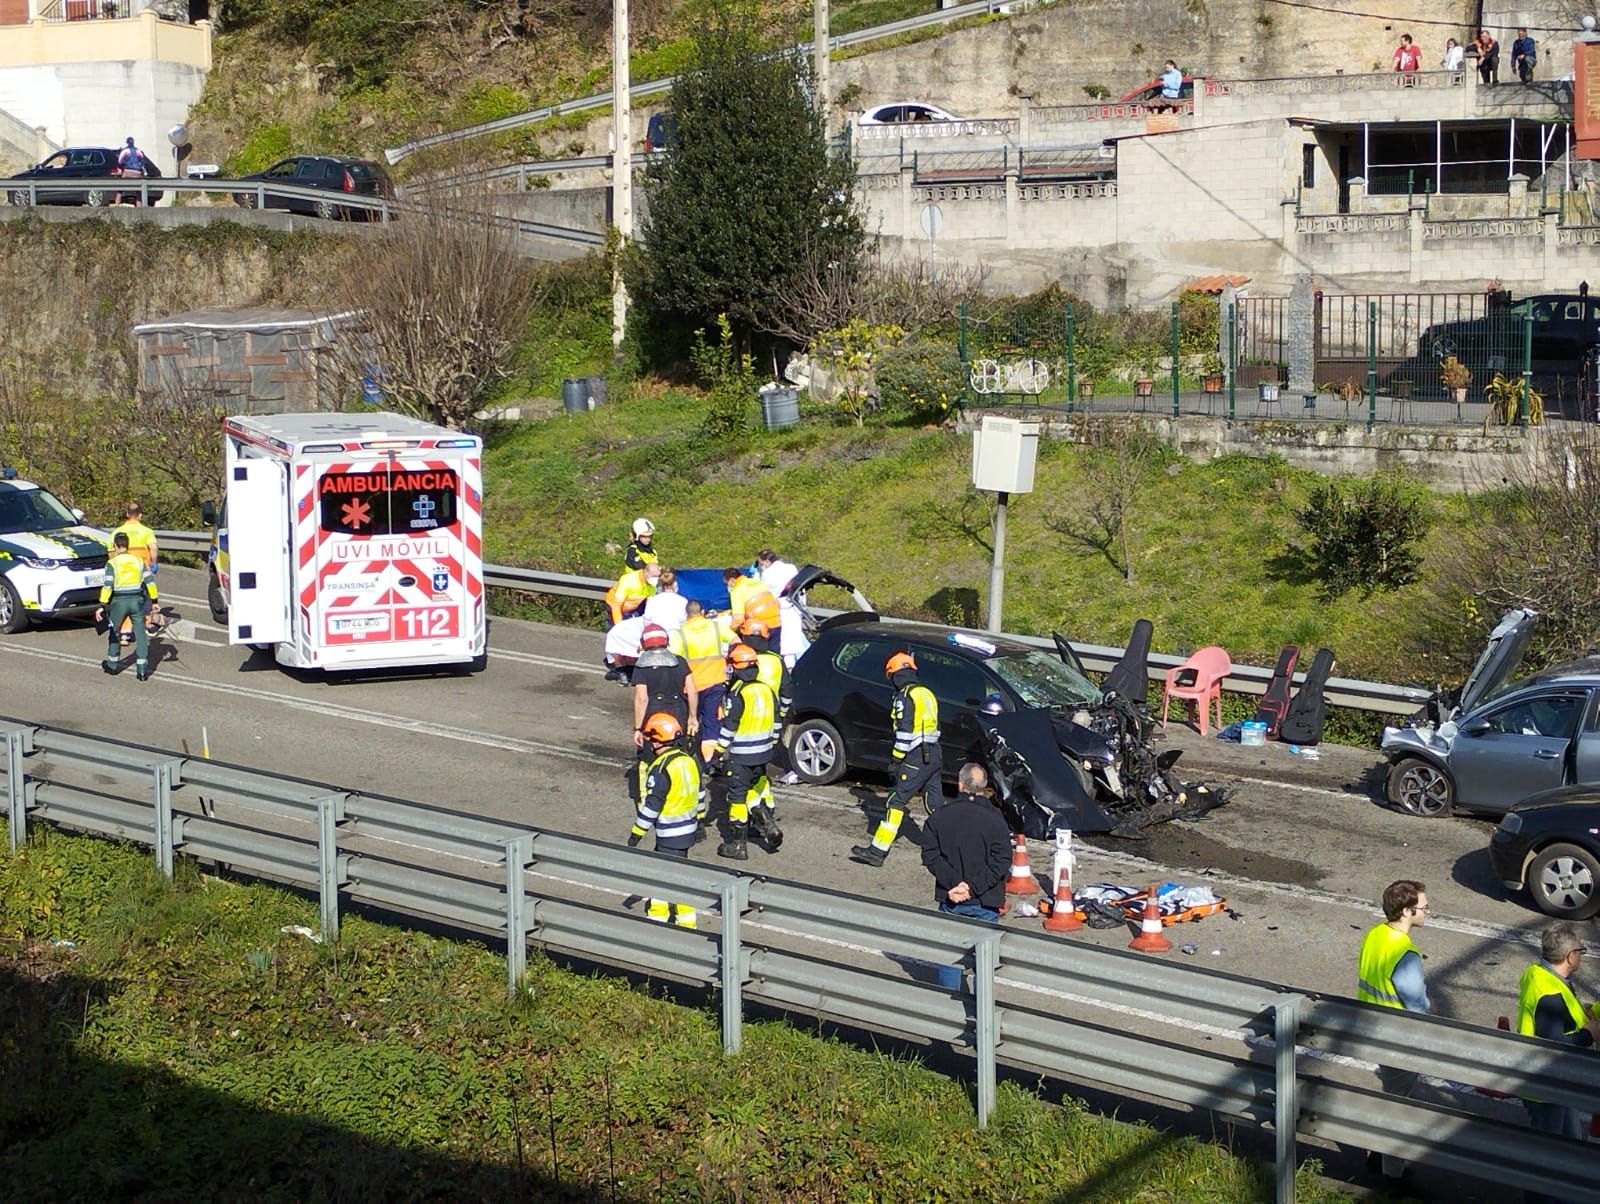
{"points": [[621, 162], [820, 52]]}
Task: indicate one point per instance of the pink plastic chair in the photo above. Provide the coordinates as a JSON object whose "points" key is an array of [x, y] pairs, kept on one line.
{"points": [[1210, 666]]}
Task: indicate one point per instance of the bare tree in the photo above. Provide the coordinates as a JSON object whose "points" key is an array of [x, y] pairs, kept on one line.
{"points": [[179, 436], [446, 296], [1532, 540], [910, 294], [1101, 519]]}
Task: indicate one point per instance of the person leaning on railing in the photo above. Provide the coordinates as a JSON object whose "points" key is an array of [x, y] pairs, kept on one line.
{"points": [[1547, 1009]]}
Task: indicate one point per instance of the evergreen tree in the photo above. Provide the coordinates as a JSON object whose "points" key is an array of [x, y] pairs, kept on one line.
{"points": [[748, 191]]}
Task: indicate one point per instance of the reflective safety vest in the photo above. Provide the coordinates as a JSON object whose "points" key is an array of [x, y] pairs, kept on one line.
{"points": [[1381, 951], [141, 539], [699, 641], [638, 555], [744, 601], [628, 594], [749, 714], [1537, 982], [763, 607], [126, 574], [669, 797], [915, 714], [770, 673]]}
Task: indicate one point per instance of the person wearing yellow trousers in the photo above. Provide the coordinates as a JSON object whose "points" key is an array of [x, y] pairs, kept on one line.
{"points": [[749, 719], [1389, 974], [142, 543], [128, 584], [919, 762], [1548, 1009], [671, 804]]}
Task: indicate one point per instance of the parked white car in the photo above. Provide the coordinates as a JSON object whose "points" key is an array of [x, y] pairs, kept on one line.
{"points": [[906, 112]]}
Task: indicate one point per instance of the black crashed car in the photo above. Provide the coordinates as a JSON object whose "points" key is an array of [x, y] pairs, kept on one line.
{"points": [[839, 721], [1549, 846], [337, 175], [79, 163]]}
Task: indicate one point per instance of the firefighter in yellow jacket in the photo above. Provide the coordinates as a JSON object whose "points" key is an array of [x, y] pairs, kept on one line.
{"points": [[670, 802], [749, 726], [919, 762], [128, 583]]}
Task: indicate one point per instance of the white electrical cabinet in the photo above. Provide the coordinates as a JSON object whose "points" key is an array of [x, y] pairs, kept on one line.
{"points": [[1003, 454]]}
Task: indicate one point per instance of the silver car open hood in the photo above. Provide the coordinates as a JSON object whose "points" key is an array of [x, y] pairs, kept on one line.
{"points": [[1501, 656]]}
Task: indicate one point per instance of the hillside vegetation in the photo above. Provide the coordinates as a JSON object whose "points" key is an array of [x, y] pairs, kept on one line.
{"points": [[176, 1042]]}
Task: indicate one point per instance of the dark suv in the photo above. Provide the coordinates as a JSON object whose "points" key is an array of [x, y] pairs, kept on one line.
{"points": [[78, 163], [337, 174], [1566, 333]]}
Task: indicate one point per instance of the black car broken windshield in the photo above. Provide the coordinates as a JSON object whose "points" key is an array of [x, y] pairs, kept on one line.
{"points": [[1042, 680]]}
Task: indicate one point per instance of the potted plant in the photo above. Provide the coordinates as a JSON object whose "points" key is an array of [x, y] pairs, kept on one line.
{"points": [[1269, 389], [1085, 388], [1212, 374], [1455, 376], [1144, 383], [1505, 394]]}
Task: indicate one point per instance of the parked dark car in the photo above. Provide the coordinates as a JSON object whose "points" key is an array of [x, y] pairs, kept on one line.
{"points": [[1566, 333], [1549, 846], [335, 174], [1501, 742], [79, 163]]}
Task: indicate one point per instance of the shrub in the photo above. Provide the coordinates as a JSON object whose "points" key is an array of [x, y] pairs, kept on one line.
{"points": [[261, 150], [1363, 536], [730, 377], [921, 380]]}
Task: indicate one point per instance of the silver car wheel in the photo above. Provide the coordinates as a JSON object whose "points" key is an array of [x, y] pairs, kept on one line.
{"points": [[1566, 884], [815, 753], [1424, 790]]}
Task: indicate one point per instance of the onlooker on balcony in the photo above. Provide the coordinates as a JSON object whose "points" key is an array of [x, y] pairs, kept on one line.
{"points": [[1454, 52], [1488, 57], [1171, 88], [1524, 54], [1407, 56]]}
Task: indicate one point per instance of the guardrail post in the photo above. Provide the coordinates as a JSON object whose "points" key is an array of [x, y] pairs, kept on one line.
{"points": [[167, 775], [19, 743], [985, 966], [144, 193], [261, 195], [330, 813], [1286, 1110], [519, 851], [735, 897]]}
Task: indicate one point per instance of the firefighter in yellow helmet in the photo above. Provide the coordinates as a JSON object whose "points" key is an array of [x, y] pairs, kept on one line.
{"points": [[670, 803], [749, 727], [918, 759]]}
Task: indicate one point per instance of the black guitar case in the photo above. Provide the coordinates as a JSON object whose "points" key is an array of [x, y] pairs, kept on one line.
{"points": [[1302, 722], [1276, 700], [1130, 676]]}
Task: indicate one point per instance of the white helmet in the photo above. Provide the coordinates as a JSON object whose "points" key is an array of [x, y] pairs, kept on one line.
{"points": [[643, 526]]}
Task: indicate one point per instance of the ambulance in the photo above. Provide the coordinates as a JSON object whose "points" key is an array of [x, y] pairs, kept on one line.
{"points": [[352, 541]]}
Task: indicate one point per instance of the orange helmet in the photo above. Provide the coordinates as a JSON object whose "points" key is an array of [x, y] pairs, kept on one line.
{"points": [[662, 728], [754, 627], [741, 656], [899, 662], [653, 636]]}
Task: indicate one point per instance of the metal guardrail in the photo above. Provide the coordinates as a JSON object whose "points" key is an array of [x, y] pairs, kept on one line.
{"points": [[98, 191], [644, 91], [1031, 1001], [1358, 695]]}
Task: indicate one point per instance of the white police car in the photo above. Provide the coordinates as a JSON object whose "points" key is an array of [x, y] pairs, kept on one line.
{"points": [[51, 565]]}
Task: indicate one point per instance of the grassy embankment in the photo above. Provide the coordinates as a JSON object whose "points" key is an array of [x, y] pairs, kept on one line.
{"points": [[171, 1042], [889, 508]]}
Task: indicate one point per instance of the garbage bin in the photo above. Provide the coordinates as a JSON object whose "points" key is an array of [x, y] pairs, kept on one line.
{"points": [[575, 395], [780, 406], [597, 390]]}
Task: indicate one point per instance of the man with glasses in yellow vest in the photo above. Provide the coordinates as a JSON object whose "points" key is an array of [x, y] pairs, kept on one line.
{"points": [[1548, 1009], [1390, 975]]}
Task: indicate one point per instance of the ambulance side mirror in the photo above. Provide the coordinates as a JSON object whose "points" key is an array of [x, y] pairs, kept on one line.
{"points": [[208, 513]]}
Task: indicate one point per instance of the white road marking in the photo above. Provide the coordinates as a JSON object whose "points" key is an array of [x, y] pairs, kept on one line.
{"points": [[1145, 867], [1345, 795]]}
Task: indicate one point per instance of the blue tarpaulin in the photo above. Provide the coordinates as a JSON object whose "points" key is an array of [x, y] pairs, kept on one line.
{"points": [[705, 587]]}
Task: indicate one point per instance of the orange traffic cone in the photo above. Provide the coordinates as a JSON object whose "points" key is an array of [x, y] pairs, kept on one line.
{"points": [[1063, 915], [1150, 939], [1021, 881]]}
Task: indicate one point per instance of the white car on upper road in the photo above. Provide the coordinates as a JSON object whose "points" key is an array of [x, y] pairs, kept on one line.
{"points": [[51, 565], [906, 113]]}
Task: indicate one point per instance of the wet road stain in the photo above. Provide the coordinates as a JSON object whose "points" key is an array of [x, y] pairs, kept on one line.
{"points": [[1186, 849]]}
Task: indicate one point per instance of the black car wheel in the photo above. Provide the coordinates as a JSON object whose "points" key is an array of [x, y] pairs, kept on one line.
{"points": [[816, 750], [327, 211], [1563, 880], [13, 618], [245, 200], [19, 198], [215, 599], [1421, 788]]}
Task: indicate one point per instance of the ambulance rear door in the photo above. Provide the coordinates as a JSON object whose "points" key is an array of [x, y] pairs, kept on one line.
{"points": [[391, 584], [258, 550]]}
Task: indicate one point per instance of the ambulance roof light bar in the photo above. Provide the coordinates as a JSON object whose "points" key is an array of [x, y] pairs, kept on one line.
{"points": [[389, 444]]}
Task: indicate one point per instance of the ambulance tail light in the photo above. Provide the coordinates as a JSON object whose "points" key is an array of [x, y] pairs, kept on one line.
{"points": [[390, 444]]}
